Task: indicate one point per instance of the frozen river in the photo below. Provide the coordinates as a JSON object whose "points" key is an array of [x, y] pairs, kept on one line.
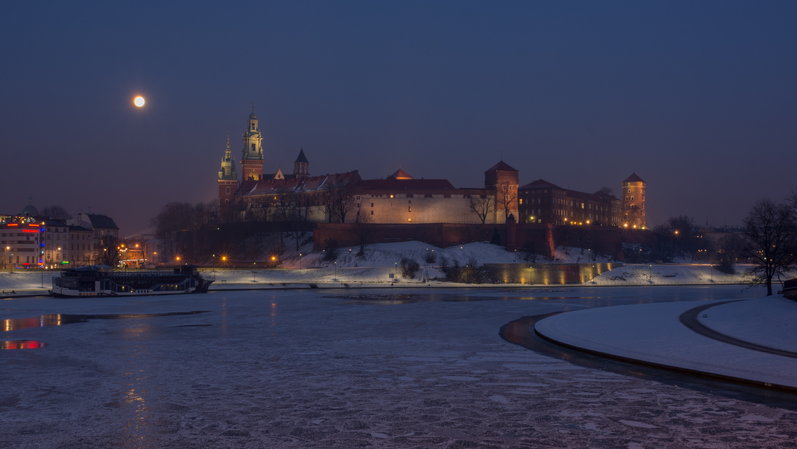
{"points": [[345, 369]]}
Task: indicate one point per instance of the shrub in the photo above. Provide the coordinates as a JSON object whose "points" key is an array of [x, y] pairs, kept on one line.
{"points": [[331, 250], [409, 267], [726, 264], [430, 257]]}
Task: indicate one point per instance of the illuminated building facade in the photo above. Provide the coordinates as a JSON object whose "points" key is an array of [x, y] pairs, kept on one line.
{"points": [[634, 203], [31, 242], [400, 198], [502, 181], [252, 159], [544, 202], [21, 242], [227, 178]]}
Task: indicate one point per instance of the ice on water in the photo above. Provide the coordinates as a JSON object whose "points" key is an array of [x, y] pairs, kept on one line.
{"points": [[308, 369]]}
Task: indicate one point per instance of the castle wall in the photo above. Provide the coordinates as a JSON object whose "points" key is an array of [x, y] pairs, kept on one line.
{"points": [[403, 208], [535, 238]]}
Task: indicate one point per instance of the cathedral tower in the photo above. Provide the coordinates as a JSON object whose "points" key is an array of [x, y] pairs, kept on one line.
{"points": [[227, 179], [252, 157], [634, 207], [502, 179], [301, 167]]}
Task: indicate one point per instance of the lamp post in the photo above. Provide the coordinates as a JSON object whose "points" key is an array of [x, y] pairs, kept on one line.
{"points": [[10, 259]]}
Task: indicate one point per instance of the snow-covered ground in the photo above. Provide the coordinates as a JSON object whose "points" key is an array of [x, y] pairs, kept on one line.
{"points": [[653, 333], [673, 274], [380, 266], [388, 254], [417, 368], [770, 321]]}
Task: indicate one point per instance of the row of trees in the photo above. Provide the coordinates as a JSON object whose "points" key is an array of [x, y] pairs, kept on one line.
{"points": [[767, 240], [772, 231]]}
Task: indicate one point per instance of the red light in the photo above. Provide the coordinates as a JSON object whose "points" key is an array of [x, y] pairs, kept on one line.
{"points": [[30, 230], [34, 225], [11, 225], [21, 344]]}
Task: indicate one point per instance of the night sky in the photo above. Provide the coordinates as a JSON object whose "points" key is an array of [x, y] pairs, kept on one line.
{"points": [[697, 97]]}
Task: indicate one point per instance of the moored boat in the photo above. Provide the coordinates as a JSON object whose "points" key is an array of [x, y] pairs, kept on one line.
{"points": [[104, 281]]}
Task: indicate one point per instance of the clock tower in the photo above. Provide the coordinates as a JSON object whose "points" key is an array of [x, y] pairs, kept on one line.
{"points": [[252, 157]]}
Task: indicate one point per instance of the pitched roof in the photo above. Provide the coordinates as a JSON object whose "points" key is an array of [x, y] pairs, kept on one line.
{"points": [[102, 221], [302, 185], [633, 178], [302, 157], [405, 185], [540, 184], [501, 165], [400, 174]]}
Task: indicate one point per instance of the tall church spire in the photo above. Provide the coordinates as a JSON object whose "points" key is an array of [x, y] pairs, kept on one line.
{"points": [[227, 177], [227, 170], [301, 167], [252, 154]]}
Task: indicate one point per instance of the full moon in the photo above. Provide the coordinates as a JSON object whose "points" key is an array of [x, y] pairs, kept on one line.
{"points": [[139, 101]]}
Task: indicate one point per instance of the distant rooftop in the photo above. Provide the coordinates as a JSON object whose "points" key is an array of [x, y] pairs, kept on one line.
{"points": [[633, 178], [503, 166]]}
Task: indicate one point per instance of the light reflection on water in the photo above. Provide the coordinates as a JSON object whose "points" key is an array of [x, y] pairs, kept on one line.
{"points": [[21, 344], [586, 296], [58, 319]]}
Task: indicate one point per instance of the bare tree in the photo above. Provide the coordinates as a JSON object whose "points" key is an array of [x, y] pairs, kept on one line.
{"points": [[772, 231], [109, 251], [297, 217], [363, 231], [729, 249], [686, 236], [482, 205], [507, 198], [339, 201], [184, 218]]}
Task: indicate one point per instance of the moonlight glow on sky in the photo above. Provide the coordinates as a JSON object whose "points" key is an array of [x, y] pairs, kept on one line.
{"points": [[698, 98]]}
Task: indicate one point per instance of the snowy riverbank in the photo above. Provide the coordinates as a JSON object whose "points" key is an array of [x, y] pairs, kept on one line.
{"points": [[750, 340], [380, 266]]}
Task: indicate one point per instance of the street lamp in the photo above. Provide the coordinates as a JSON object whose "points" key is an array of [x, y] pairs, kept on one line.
{"points": [[10, 259]]}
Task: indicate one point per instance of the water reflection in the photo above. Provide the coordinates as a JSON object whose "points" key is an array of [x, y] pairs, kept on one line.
{"points": [[60, 319], [409, 298], [582, 295], [21, 344]]}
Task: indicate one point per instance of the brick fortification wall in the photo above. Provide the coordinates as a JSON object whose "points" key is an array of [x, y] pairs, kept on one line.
{"points": [[538, 238], [437, 234]]}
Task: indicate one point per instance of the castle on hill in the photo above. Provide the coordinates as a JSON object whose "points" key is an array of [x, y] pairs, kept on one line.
{"points": [[402, 199]]}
